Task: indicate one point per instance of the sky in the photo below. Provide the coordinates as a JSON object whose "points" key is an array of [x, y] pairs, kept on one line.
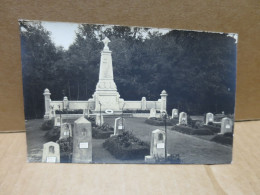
{"points": [[62, 34]]}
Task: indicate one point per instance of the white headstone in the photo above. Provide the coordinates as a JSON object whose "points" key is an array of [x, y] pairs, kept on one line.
{"points": [[157, 147], [143, 103], [65, 130], [226, 126], [209, 118], [57, 121], [175, 113], [51, 152], [119, 126], [82, 141], [183, 118], [152, 113], [99, 120]]}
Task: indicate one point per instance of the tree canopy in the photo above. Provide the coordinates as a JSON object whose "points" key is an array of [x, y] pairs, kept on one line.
{"points": [[197, 69]]}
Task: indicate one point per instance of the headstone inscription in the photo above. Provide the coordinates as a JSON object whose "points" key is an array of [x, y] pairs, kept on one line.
{"points": [[209, 118], [183, 118], [152, 113], [51, 152], [226, 126], [82, 141], [119, 126], [65, 130], [175, 113]]}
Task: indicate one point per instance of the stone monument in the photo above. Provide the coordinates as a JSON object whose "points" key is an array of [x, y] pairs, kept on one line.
{"points": [[51, 152], [65, 130], [183, 118], [152, 113], [119, 126], [82, 141], [209, 118], [175, 113], [106, 95], [157, 147], [226, 126]]}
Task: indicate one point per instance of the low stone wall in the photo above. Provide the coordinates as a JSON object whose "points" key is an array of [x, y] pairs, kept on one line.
{"points": [[144, 115]]}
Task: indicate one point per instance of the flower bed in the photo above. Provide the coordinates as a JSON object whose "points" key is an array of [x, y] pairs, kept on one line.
{"points": [[225, 139], [160, 121], [126, 147], [66, 148], [191, 131], [102, 132]]}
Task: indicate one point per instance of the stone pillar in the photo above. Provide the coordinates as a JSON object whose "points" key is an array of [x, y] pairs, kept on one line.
{"points": [[47, 102], [51, 152], [163, 101], [143, 103], [226, 126], [209, 118], [82, 141], [157, 147], [65, 103]]}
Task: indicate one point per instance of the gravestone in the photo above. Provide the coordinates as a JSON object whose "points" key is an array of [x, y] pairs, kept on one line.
{"points": [[152, 113], [99, 120], [119, 126], [226, 126], [175, 113], [65, 130], [82, 141], [51, 152], [183, 118], [57, 121], [209, 118], [157, 147]]}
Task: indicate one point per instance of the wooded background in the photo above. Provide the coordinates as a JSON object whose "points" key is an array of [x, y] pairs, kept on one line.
{"points": [[238, 16]]}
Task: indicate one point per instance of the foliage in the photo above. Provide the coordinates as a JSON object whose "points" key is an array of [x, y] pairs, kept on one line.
{"points": [[138, 111], [160, 122], [53, 134], [102, 132], [191, 131], [126, 146], [226, 139], [78, 111], [197, 69], [66, 148], [47, 125]]}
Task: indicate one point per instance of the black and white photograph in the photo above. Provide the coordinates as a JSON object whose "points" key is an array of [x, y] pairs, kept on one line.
{"points": [[99, 93]]}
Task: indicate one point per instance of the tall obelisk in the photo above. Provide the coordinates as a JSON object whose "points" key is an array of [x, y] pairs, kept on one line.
{"points": [[106, 95]]}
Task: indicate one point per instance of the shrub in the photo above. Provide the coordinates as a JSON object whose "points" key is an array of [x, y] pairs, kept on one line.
{"points": [[53, 134], [66, 148], [191, 131], [213, 128], [47, 125], [226, 139], [92, 120], [102, 132], [126, 146], [78, 111], [160, 122], [172, 159]]}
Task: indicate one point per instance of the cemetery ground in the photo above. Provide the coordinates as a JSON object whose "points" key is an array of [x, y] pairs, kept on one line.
{"points": [[191, 148]]}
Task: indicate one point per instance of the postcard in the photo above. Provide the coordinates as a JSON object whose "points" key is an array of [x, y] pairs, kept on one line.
{"points": [[98, 93]]}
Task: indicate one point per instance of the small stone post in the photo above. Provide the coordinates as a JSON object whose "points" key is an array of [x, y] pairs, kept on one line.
{"points": [[65, 103], [143, 103], [47, 102]]}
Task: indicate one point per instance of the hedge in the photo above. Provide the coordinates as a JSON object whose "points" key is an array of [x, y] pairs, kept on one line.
{"points": [[191, 131], [225, 139], [126, 147], [160, 122], [102, 132]]}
